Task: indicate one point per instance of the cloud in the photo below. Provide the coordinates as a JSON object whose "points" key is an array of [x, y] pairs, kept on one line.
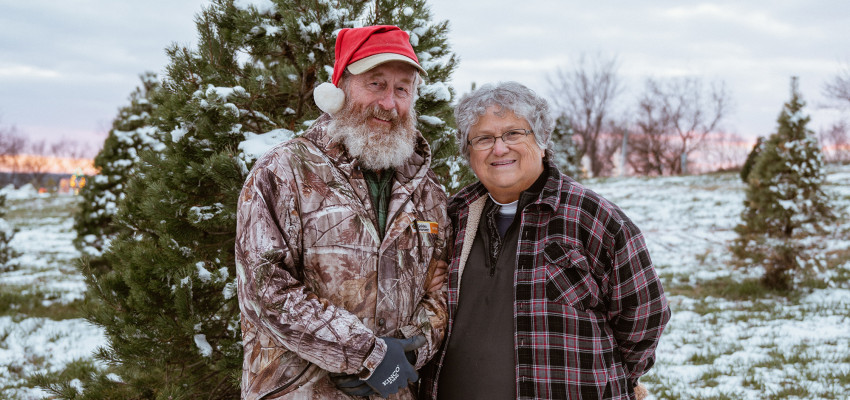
{"points": [[27, 72], [720, 15]]}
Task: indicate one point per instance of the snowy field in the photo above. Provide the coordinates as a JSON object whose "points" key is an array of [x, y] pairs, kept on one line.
{"points": [[728, 338]]}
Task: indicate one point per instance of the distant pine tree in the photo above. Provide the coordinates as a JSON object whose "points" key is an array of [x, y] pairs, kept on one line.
{"points": [[167, 299], [565, 153], [132, 133], [6, 234], [751, 159], [784, 198]]}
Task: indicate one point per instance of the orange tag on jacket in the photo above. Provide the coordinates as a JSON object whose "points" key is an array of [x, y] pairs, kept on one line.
{"points": [[427, 227]]}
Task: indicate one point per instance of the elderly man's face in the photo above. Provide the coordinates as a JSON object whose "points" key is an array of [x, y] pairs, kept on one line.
{"points": [[388, 87], [505, 170], [376, 124]]}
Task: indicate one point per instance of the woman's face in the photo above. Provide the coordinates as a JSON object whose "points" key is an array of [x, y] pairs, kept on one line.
{"points": [[505, 170]]}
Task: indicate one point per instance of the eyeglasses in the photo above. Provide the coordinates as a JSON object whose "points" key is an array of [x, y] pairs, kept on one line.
{"points": [[485, 142]]}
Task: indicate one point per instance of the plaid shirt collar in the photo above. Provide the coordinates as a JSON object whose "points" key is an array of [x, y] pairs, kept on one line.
{"points": [[549, 196]]}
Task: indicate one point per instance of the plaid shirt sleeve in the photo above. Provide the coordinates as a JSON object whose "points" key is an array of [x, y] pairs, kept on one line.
{"points": [[637, 308]]}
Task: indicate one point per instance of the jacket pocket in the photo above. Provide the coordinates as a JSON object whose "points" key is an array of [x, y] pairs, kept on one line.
{"points": [[568, 278]]}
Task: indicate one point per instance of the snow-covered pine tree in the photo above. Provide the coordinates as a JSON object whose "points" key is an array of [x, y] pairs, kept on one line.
{"points": [[6, 233], [784, 199], [167, 300], [564, 151], [132, 132]]}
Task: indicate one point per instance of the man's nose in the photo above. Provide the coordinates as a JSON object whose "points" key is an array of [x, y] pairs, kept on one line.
{"points": [[386, 100]]}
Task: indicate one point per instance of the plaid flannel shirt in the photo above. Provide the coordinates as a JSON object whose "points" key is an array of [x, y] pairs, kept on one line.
{"points": [[588, 307]]}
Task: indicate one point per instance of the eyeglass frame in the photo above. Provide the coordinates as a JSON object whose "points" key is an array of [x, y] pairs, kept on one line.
{"points": [[524, 132]]}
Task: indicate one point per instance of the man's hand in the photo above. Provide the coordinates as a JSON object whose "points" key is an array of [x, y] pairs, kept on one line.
{"points": [[439, 277], [393, 373]]}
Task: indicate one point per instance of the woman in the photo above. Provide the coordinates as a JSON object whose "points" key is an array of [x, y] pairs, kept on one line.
{"points": [[560, 299]]}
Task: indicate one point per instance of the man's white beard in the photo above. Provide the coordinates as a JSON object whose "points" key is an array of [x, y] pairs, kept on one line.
{"points": [[377, 149]]}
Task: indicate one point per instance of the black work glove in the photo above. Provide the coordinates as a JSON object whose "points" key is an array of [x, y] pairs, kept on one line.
{"points": [[352, 385], [395, 372]]}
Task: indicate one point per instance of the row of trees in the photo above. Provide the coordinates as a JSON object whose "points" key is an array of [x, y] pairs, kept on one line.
{"points": [[672, 122], [26, 160], [673, 118]]}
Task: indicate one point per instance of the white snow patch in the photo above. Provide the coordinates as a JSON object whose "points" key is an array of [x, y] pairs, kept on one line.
{"points": [[203, 274], [203, 346], [263, 7], [255, 145]]}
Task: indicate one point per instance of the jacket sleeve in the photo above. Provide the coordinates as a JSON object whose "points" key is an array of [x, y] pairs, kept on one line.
{"points": [[637, 309], [431, 314], [271, 296]]}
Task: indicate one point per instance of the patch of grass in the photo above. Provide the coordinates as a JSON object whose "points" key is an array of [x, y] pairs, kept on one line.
{"points": [[41, 207], [729, 289], [794, 390], [709, 377], [702, 257], [842, 378], [702, 358], [750, 381], [26, 302], [723, 396]]}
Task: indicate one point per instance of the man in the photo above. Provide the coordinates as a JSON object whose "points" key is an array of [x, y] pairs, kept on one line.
{"points": [[559, 297], [338, 232]]}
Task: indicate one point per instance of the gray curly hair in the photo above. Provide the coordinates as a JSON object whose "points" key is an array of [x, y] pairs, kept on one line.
{"points": [[511, 96]]}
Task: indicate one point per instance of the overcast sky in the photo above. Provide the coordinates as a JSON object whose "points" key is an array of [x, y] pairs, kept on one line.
{"points": [[67, 66]]}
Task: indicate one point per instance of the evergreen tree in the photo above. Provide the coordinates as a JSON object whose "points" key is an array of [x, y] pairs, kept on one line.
{"points": [[565, 153], [784, 199], [6, 233], [131, 134], [167, 299], [751, 159]]}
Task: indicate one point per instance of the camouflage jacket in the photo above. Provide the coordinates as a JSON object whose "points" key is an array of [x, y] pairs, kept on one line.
{"points": [[316, 285]]}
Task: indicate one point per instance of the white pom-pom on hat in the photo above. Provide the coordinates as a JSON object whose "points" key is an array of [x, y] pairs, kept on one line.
{"points": [[328, 97]]}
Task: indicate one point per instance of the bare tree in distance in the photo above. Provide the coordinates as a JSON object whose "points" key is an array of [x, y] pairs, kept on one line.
{"points": [[12, 144], [675, 118], [585, 96], [70, 149], [35, 164], [724, 151], [835, 139], [836, 143], [839, 88]]}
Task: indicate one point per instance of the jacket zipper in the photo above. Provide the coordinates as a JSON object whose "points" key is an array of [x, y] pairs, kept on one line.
{"points": [[286, 386]]}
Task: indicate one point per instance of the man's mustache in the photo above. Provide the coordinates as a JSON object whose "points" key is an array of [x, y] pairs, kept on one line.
{"points": [[380, 113]]}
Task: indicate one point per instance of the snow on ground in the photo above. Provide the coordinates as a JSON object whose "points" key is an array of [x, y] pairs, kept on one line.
{"points": [[44, 268], [760, 348], [716, 348]]}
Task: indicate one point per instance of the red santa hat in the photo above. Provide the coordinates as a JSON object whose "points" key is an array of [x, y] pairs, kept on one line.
{"points": [[359, 50]]}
